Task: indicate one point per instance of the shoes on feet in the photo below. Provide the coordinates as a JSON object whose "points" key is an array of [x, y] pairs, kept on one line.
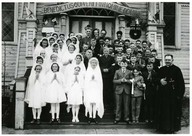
{"points": [[96, 122], [89, 121], [38, 121], [33, 121], [127, 121], [58, 120], [116, 122], [77, 120], [51, 121], [73, 120]]}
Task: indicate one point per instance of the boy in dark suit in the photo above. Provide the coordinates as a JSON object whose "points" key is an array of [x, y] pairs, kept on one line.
{"points": [[123, 90], [133, 64], [150, 79]]}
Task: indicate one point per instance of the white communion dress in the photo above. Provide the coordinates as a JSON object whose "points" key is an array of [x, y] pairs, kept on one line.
{"points": [[75, 90], [55, 92], [93, 89], [35, 90]]}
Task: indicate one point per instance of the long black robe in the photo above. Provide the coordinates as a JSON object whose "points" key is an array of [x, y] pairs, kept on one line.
{"points": [[106, 62], [169, 99]]}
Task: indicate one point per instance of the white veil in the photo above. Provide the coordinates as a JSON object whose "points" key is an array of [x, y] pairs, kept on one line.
{"points": [[69, 56], [81, 65], [30, 83], [38, 49], [76, 45], [59, 54], [97, 74], [51, 37], [50, 62]]}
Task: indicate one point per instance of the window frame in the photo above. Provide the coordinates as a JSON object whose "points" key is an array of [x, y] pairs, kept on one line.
{"points": [[177, 28], [14, 42]]}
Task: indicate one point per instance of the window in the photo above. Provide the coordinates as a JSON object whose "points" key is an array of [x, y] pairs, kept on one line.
{"points": [[169, 18], [77, 24], [8, 22]]}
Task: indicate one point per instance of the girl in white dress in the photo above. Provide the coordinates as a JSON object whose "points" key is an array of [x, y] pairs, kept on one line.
{"points": [[42, 46], [75, 41], [35, 92], [78, 61], [65, 46], [69, 55], [55, 35], [93, 90], [55, 92], [53, 59], [62, 36], [60, 43], [56, 49], [51, 40], [67, 60], [75, 92]]}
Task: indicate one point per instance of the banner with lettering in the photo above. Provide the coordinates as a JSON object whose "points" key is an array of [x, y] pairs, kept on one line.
{"points": [[55, 9]]}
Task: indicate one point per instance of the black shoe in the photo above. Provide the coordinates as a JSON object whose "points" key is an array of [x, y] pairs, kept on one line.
{"points": [[137, 121], [51, 121], [58, 121], [33, 121], [96, 122], [116, 122], [38, 121], [89, 122], [127, 121]]}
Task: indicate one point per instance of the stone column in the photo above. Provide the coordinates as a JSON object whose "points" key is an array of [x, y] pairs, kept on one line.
{"points": [[19, 103], [122, 25], [152, 7], [116, 26], [63, 23], [155, 31], [152, 35]]}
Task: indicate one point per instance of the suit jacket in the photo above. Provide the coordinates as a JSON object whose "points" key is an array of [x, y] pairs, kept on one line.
{"points": [[106, 62], [131, 67], [151, 82], [122, 86], [86, 40]]}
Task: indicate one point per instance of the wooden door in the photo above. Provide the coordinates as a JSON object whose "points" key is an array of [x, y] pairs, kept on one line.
{"points": [[77, 25]]}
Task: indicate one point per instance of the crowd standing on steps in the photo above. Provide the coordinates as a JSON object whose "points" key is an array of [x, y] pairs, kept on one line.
{"points": [[101, 73]]}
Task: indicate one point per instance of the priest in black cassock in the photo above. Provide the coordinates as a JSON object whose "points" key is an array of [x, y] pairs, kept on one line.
{"points": [[169, 97], [106, 61]]}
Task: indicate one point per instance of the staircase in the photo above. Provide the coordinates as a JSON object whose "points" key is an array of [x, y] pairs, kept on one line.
{"points": [[66, 123]]}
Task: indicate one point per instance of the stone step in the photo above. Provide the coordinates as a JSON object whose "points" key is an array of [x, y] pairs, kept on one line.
{"points": [[67, 117], [84, 125]]}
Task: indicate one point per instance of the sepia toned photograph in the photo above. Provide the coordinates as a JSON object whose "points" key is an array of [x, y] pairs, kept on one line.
{"points": [[95, 67]]}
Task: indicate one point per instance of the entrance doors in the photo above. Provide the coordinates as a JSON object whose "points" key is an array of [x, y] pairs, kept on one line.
{"points": [[77, 25]]}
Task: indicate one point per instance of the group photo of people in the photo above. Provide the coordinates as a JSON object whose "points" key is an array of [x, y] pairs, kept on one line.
{"points": [[100, 73]]}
